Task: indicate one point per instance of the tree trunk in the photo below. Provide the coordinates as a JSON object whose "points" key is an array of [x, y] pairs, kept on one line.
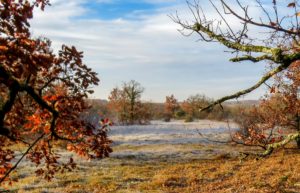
{"points": [[298, 128], [298, 142]]}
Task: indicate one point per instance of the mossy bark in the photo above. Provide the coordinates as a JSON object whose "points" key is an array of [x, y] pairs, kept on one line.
{"points": [[280, 144]]}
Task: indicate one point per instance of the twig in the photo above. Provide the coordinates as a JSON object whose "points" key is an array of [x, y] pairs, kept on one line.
{"points": [[19, 161]]}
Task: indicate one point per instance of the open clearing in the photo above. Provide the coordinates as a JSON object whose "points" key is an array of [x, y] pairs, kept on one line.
{"points": [[171, 157]]}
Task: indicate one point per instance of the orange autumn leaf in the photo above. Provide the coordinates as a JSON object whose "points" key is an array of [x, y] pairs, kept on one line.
{"points": [[3, 48]]}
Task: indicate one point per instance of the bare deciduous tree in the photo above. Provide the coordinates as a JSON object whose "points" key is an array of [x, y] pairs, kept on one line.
{"points": [[279, 47]]}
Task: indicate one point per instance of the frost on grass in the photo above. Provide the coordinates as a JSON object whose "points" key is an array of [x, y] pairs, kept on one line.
{"points": [[176, 132]]}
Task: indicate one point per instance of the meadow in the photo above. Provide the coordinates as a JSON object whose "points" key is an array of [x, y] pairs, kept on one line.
{"points": [[170, 158]]}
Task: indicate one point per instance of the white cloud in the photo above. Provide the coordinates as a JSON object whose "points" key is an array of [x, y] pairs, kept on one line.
{"points": [[149, 50]]}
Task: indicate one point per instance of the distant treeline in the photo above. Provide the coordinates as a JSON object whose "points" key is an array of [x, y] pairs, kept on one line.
{"points": [[124, 106], [186, 111]]}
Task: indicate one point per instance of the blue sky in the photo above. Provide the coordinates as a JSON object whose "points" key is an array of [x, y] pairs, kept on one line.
{"points": [[115, 9], [130, 39]]}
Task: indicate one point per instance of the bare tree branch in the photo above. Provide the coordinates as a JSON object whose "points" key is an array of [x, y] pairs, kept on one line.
{"points": [[246, 91], [252, 59], [272, 147], [250, 21], [22, 157]]}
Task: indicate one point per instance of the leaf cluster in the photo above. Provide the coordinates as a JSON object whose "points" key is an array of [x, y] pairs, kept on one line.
{"points": [[42, 96]]}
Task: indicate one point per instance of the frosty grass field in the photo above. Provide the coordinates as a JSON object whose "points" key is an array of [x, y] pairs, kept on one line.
{"points": [[170, 158]]}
